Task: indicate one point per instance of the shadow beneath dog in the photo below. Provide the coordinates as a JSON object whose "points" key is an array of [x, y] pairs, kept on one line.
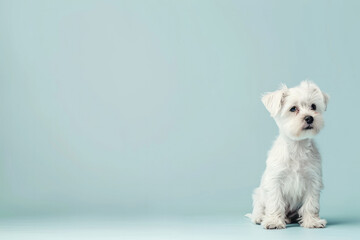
{"points": [[349, 221], [291, 225], [343, 221]]}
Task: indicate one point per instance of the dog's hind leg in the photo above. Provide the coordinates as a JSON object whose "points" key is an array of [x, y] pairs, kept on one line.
{"points": [[258, 207], [292, 217]]}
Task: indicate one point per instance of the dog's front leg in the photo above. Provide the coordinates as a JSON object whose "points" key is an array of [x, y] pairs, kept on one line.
{"points": [[274, 209], [309, 212]]}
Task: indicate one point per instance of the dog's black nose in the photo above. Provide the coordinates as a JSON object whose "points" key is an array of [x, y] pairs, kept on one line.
{"points": [[309, 119]]}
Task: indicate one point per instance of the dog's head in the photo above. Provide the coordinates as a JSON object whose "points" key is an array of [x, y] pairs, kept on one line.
{"points": [[298, 111]]}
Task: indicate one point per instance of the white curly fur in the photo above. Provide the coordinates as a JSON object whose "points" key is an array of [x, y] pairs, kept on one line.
{"points": [[292, 181]]}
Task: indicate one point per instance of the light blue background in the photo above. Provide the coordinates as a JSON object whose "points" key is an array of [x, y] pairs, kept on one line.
{"points": [[153, 107]]}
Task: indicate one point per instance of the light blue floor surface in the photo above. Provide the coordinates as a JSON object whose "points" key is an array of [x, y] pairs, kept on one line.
{"points": [[167, 228]]}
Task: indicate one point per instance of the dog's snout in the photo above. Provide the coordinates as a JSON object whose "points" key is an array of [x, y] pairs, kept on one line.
{"points": [[309, 119]]}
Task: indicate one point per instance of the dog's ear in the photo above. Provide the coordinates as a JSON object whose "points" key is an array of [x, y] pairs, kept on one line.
{"points": [[273, 101], [326, 99]]}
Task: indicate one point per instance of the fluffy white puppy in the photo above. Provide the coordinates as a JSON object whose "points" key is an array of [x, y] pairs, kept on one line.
{"points": [[291, 184]]}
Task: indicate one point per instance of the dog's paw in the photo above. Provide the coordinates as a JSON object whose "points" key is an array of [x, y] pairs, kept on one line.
{"points": [[273, 223], [257, 220], [313, 223]]}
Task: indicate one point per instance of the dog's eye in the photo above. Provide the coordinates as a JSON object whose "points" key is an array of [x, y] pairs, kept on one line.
{"points": [[293, 109], [313, 107]]}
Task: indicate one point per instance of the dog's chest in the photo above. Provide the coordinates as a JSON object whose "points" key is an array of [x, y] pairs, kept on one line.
{"points": [[296, 180]]}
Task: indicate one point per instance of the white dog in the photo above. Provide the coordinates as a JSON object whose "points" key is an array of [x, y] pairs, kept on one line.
{"points": [[291, 184]]}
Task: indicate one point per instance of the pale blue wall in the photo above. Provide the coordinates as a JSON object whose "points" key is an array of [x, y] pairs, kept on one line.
{"points": [[154, 106]]}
